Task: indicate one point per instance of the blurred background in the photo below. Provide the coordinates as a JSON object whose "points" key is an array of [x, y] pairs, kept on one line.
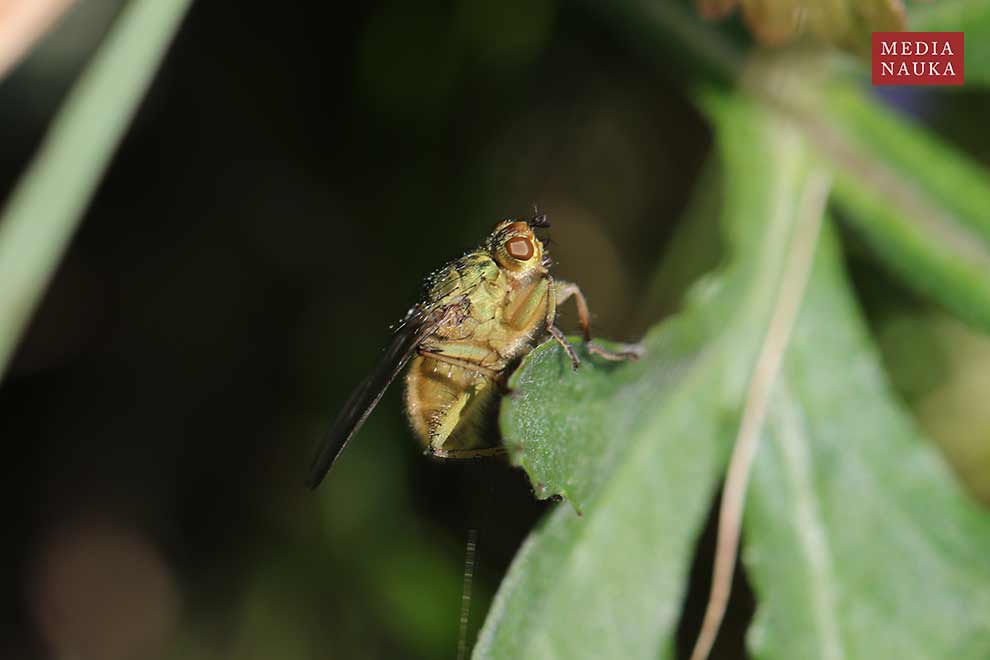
{"points": [[287, 184]]}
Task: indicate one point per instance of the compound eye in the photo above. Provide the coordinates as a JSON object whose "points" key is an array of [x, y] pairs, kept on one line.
{"points": [[520, 248]]}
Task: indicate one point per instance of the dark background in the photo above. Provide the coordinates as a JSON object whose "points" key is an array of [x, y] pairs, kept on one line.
{"points": [[290, 179]]}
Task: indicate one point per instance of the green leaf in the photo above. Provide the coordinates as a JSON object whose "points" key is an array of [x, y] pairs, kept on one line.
{"points": [[921, 204], [694, 249], [859, 542], [969, 16], [638, 448], [49, 200]]}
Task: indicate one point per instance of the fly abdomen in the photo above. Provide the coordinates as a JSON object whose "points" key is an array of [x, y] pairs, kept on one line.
{"points": [[450, 406]]}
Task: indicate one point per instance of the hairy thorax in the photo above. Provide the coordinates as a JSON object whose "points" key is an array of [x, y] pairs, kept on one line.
{"points": [[452, 385]]}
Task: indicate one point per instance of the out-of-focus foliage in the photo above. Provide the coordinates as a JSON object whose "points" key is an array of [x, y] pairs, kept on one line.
{"points": [[954, 412], [969, 16], [920, 202], [846, 23]]}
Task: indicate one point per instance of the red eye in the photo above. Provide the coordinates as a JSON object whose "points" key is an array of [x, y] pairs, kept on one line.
{"points": [[520, 248]]}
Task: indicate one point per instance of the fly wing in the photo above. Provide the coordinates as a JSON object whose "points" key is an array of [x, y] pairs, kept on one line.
{"points": [[364, 399]]}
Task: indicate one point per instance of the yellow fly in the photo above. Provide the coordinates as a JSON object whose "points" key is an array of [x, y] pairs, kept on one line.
{"points": [[481, 313]]}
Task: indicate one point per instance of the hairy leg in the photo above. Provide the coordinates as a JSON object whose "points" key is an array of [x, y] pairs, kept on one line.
{"points": [[562, 340], [465, 453], [566, 290]]}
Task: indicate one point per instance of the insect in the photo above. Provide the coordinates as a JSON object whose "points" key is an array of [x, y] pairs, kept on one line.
{"points": [[481, 313]]}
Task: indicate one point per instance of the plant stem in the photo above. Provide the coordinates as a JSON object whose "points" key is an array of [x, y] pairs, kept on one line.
{"points": [[46, 206]]}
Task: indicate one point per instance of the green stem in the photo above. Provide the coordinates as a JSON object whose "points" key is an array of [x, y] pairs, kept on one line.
{"points": [[48, 202]]}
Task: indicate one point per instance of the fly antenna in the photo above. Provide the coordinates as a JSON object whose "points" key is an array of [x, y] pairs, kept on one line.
{"points": [[539, 219]]}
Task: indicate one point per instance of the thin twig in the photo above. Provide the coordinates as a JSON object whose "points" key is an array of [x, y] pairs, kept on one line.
{"points": [[472, 544], [793, 281]]}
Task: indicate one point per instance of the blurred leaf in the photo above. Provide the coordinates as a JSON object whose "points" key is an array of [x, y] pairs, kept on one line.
{"points": [[956, 414], [417, 583], [913, 359], [920, 203], [859, 541], [272, 621], [404, 76], [694, 249], [505, 34], [49, 200], [969, 16], [638, 448], [412, 576]]}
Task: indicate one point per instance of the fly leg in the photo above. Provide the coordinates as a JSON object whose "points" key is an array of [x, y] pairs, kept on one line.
{"points": [[527, 310], [553, 329], [565, 290], [465, 453], [562, 340]]}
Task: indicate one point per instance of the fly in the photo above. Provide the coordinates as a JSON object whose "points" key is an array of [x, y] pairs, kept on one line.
{"points": [[479, 315]]}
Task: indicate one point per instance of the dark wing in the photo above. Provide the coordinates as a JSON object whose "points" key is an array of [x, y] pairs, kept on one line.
{"points": [[364, 399]]}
